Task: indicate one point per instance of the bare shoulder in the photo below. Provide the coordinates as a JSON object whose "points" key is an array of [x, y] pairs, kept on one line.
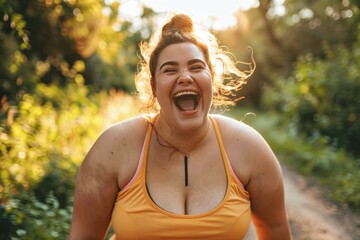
{"points": [[249, 153], [129, 126], [118, 136], [115, 152], [237, 131]]}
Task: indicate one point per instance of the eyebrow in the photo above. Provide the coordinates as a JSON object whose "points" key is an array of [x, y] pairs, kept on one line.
{"points": [[174, 63], [171, 63], [197, 60]]}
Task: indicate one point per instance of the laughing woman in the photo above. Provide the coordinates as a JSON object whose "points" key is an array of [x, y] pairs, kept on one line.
{"points": [[181, 173]]}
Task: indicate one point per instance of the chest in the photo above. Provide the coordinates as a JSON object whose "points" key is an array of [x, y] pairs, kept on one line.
{"points": [[167, 172]]}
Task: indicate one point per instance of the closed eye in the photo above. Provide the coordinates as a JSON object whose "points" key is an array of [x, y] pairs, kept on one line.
{"points": [[170, 70], [197, 67]]}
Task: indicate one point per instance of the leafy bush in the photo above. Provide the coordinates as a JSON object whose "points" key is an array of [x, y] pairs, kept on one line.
{"points": [[25, 217], [43, 141], [335, 169], [320, 110], [321, 99], [52, 125]]}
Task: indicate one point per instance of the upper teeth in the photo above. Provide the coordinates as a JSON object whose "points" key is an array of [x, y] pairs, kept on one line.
{"points": [[185, 93]]}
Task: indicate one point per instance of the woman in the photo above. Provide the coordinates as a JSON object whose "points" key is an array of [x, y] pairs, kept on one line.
{"points": [[182, 173]]}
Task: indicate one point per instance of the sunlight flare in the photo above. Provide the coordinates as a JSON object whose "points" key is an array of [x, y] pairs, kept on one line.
{"points": [[216, 15]]}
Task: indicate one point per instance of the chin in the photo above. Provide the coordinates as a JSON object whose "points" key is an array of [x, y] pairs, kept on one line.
{"points": [[192, 120]]}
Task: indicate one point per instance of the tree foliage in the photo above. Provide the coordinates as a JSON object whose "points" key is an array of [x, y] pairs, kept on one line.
{"points": [[321, 98], [319, 101], [41, 146], [280, 33], [66, 41]]}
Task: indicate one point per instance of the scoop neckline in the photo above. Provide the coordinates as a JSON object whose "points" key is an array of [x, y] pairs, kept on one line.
{"points": [[176, 215]]}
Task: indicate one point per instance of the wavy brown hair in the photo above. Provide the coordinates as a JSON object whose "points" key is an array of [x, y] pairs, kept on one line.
{"points": [[227, 78]]}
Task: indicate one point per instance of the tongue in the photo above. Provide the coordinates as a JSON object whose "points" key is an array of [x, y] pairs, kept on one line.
{"points": [[186, 104]]}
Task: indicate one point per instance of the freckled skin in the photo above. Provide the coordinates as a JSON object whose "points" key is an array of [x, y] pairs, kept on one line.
{"points": [[187, 71]]}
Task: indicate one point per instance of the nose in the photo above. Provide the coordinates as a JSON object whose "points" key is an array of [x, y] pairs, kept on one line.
{"points": [[185, 77]]}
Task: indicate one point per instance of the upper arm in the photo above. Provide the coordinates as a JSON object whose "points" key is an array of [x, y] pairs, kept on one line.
{"points": [[258, 169], [266, 190], [95, 191]]}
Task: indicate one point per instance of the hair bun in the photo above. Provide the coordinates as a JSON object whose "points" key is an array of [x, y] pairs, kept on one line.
{"points": [[179, 23]]}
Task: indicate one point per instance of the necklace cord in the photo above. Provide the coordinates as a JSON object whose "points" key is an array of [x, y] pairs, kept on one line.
{"points": [[169, 145], [186, 154]]}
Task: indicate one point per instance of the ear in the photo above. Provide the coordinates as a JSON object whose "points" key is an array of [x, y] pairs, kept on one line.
{"points": [[153, 87]]}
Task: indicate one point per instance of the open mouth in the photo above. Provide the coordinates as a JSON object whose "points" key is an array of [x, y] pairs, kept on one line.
{"points": [[187, 101]]}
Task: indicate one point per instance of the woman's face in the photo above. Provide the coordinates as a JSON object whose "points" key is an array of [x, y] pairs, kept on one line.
{"points": [[183, 85]]}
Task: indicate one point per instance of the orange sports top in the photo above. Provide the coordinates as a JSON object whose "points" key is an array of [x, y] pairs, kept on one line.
{"points": [[136, 216]]}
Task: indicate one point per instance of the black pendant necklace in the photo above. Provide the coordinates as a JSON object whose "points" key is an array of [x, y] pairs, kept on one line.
{"points": [[186, 154], [186, 170]]}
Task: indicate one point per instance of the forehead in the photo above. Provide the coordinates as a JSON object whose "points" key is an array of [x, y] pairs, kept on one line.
{"points": [[180, 52]]}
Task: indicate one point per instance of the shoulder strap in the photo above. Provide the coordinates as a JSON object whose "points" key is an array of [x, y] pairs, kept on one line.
{"points": [[224, 155]]}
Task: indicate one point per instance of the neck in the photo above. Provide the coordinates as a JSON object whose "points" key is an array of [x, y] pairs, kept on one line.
{"points": [[180, 141]]}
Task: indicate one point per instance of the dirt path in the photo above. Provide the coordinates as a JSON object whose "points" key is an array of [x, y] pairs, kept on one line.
{"points": [[310, 216]]}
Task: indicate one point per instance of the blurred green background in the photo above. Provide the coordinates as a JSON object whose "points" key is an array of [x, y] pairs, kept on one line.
{"points": [[67, 69]]}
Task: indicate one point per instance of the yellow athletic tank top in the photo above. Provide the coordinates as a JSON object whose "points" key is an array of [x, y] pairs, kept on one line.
{"points": [[136, 216]]}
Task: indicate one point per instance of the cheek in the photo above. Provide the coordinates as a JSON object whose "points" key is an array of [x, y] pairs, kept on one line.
{"points": [[207, 82], [210, 87], [162, 88], [153, 87]]}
